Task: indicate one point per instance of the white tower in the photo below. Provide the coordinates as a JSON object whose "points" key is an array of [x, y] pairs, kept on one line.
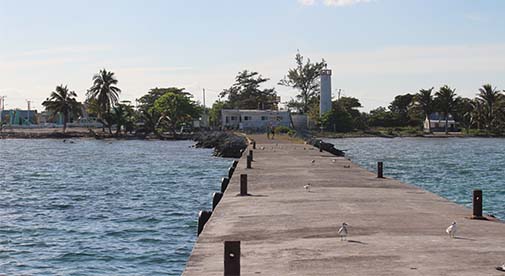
{"points": [[325, 99]]}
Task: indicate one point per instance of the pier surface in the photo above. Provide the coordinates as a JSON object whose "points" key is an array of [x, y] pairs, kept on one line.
{"points": [[394, 228]]}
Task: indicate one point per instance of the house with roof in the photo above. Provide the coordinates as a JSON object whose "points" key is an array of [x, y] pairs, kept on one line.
{"points": [[436, 123], [255, 120]]}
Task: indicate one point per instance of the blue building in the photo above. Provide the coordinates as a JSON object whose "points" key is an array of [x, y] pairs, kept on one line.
{"points": [[18, 117]]}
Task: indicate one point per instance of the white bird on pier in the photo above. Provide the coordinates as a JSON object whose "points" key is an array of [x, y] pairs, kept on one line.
{"points": [[342, 232], [307, 187], [501, 268], [313, 161], [334, 160], [451, 230]]}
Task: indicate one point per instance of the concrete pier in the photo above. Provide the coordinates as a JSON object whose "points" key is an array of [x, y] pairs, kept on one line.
{"points": [[394, 228]]}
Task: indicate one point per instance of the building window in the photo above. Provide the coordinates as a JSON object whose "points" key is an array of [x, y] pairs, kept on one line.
{"points": [[227, 119], [264, 118], [247, 118], [233, 118]]}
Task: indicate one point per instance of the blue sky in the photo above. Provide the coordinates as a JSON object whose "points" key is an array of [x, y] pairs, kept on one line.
{"points": [[376, 48]]}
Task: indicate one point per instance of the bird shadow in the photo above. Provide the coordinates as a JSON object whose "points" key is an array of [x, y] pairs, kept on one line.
{"points": [[462, 238], [358, 242]]}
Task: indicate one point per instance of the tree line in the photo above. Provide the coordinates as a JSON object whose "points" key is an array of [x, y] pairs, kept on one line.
{"points": [[484, 112], [166, 109], [159, 110]]}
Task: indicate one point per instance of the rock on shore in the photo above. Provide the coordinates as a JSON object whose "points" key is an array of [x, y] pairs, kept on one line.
{"points": [[328, 147], [225, 144]]}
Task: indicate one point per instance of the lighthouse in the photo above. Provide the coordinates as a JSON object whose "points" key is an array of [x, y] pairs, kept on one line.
{"points": [[325, 97]]}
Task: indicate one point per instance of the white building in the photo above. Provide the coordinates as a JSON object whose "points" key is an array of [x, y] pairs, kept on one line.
{"points": [[437, 123], [254, 119]]}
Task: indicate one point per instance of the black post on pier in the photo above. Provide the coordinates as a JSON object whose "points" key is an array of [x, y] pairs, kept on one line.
{"points": [[477, 204], [254, 144], [243, 185], [380, 169], [232, 258], [251, 154], [249, 161]]}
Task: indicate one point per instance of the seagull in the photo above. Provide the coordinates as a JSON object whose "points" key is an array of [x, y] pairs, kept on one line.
{"points": [[307, 187], [262, 148], [334, 160], [347, 166], [501, 268], [342, 232], [451, 230], [313, 161]]}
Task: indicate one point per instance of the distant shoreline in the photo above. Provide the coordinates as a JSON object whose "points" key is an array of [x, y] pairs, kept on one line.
{"points": [[82, 133], [400, 135]]}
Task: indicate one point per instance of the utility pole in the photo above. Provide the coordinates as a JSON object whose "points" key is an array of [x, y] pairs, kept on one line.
{"points": [[2, 102], [28, 102], [204, 106], [2, 107]]}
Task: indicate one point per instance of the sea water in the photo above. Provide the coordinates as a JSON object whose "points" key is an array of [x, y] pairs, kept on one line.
{"points": [[87, 207], [449, 167]]}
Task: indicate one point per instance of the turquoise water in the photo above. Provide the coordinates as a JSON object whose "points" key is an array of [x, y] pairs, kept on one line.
{"points": [[450, 167], [102, 208]]}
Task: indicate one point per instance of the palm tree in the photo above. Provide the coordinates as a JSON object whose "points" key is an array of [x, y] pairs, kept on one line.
{"points": [[447, 100], [62, 101], [490, 96], [478, 112], [106, 94], [122, 116], [424, 100]]}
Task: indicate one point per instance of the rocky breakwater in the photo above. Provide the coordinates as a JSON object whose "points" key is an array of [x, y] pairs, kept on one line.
{"points": [[225, 144], [328, 147]]}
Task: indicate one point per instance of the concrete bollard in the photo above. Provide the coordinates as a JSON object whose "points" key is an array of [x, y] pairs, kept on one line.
{"points": [[243, 184], [224, 184], [216, 198], [380, 169], [251, 154], [254, 144], [232, 258], [249, 162], [477, 204], [234, 164], [203, 217], [231, 170]]}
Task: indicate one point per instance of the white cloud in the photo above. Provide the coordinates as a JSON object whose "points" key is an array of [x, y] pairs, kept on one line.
{"points": [[307, 2], [341, 3]]}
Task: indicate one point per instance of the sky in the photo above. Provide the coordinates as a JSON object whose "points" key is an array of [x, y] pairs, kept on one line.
{"points": [[377, 49]]}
